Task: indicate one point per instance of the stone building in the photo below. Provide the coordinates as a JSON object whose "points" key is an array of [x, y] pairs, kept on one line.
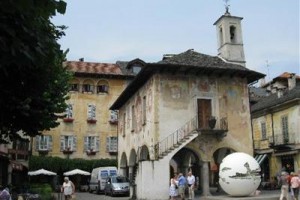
{"points": [[276, 127], [185, 112]]}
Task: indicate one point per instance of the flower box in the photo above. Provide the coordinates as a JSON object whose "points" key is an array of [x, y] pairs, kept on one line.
{"points": [[68, 120], [67, 151], [91, 121], [113, 121], [90, 152]]}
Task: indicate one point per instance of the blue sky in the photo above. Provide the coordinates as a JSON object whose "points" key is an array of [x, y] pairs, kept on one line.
{"points": [[111, 30]]}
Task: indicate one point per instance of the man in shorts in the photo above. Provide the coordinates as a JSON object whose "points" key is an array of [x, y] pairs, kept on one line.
{"points": [[181, 186]]}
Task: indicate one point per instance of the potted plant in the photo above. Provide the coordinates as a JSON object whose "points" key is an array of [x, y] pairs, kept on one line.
{"points": [[90, 152], [212, 122], [67, 150]]}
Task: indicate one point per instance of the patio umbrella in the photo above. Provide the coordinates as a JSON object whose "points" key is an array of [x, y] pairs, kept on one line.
{"points": [[77, 172], [41, 172]]}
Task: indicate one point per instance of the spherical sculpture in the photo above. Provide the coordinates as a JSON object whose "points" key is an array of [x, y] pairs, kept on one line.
{"points": [[239, 174]]}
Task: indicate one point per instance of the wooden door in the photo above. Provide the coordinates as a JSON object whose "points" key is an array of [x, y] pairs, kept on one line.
{"points": [[204, 113]]}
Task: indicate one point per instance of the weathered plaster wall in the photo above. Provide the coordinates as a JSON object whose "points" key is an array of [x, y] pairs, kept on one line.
{"points": [[80, 128]]}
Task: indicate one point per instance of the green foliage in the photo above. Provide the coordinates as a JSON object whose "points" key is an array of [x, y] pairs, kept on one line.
{"points": [[33, 81], [60, 165], [44, 190]]}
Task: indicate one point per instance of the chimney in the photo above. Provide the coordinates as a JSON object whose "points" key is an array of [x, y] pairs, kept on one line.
{"points": [[292, 81], [81, 59]]}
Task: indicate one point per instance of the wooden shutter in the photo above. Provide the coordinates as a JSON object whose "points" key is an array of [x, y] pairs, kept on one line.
{"points": [[74, 143], [85, 143], [62, 143], [37, 142], [97, 143]]}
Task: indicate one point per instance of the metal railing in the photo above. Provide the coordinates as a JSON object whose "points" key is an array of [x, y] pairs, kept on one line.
{"points": [[175, 138]]}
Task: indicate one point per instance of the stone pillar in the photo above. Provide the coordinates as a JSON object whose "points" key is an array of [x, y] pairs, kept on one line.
{"points": [[205, 179]]}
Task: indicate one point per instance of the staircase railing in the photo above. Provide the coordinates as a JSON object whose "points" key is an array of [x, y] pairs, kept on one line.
{"points": [[175, 138]]}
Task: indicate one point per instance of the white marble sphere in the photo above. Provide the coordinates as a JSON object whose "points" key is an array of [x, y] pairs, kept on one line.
{"points": [[239, 174]]}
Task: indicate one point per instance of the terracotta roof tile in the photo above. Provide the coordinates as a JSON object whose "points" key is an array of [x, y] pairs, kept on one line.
{"points": [[93, 68]]}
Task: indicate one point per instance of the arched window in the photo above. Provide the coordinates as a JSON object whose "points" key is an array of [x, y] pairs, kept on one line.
{"points": [[232, 34], [74, 85], [88, 86], [102, 86]]}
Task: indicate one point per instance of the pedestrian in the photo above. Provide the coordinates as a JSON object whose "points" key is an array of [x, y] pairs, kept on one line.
{"points": [[295, 184], [181, 186], [68, 189], [173, 190], [4, 193], [191, 185], [284, 186]]}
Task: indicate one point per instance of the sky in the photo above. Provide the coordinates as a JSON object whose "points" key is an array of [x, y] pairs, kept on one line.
{"points": [[107, 31]]}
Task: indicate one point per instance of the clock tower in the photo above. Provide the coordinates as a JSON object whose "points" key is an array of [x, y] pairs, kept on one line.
{"points": [[230, 41]]}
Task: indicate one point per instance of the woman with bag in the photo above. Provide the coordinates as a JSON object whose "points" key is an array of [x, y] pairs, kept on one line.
{"points": [[68, 189], [173, 190]]}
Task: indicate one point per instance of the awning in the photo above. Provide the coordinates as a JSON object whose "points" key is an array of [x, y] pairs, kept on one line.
{"points": [[285, 153], [260, 158]]}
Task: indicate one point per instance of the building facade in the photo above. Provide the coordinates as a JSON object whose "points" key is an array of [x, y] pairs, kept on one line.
{"points": [[88, 129], [185, 112], [276, 128]]}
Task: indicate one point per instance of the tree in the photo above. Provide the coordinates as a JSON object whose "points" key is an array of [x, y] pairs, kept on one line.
{"points": [[33, 81]]}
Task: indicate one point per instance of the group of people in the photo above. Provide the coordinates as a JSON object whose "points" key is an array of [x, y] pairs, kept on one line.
{"points": [[290, 185], [4, 193], [178, 185]]}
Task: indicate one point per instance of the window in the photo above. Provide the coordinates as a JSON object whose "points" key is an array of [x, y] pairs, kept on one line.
{"points": [[136, 69], [102, 89], [263, 131], [113, 116], [124, 124], [43, 143], [232, 34], [133, 119], [69, 111], [91, 112], [285, 128], [87, 88], [68, 142], [144, 119], [112, 144], [91, 143], [74, 87]]}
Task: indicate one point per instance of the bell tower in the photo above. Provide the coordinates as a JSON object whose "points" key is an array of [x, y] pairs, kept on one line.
{"points": [[230, 41]]}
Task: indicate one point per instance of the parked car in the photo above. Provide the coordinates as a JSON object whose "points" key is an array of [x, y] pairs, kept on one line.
{"points": [[117, 185]]}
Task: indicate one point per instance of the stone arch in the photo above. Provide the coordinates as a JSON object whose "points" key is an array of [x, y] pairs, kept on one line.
{"points": [[123, 165], [144, 153], [132, 158]]}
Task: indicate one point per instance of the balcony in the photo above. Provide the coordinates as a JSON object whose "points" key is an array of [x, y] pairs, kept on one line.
{"points": [[215, 127], [91, 121], [91, 152], [281, 140], [67, 151]]}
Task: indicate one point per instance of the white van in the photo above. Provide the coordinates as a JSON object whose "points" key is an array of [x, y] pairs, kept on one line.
{"points": [[98, 178]]}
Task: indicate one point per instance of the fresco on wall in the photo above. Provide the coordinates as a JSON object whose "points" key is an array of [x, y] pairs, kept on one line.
{"points": [[175, 92], [202, 86]]}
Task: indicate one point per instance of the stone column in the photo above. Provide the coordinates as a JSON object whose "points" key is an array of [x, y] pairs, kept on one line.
{"points": [[205, 179]]}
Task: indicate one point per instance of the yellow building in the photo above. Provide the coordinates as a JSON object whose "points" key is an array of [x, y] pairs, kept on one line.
{"points": [[88, 129], [276, 127]]}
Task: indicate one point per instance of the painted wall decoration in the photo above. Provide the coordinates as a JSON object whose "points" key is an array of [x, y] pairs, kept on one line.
{"points": [[239, 174], [175, 92]]}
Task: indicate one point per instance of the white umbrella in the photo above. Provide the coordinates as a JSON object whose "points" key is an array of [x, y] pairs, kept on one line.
{"points": [[77, 172], [41, 172]]}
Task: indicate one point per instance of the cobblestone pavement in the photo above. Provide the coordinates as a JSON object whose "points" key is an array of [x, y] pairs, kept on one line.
{"points": [[94, 196], [264, 195]]}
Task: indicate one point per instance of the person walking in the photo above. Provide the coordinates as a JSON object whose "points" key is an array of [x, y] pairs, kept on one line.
{"points": [[295, 184], [68, 188], [284, 186], [191, 185], [173, 190], [181, 186]]}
